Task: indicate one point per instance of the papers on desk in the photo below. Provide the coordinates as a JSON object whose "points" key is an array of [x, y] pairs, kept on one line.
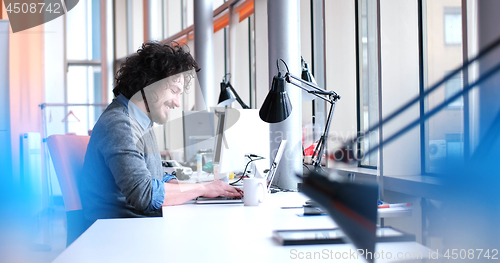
{"points": [[394, 210], [209, 177]]}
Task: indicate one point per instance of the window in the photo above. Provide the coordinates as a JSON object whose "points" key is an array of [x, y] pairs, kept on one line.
{"points": [[444, 132], [398, 67], [84, 84], [83, 55], [368, 79], [452, 25], [452, 86], [340, 70]]}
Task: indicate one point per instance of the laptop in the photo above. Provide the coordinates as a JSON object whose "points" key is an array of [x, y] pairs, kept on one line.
{"points": [[269, 179]]}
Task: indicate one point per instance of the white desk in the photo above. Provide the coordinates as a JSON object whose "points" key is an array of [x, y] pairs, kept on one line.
{"points": [[213, 233]]}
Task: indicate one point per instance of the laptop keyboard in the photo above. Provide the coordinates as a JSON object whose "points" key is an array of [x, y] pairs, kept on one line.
{"points": [[220, 199], [227, 198]]}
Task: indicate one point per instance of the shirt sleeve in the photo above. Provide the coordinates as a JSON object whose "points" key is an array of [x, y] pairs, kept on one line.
{"points": [[167, 177], [157, 194]]}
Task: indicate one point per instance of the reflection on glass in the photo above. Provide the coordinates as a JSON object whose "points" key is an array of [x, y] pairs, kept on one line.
{"points": [[83, 31], [368, 78], [445, 131], [84, 87]]}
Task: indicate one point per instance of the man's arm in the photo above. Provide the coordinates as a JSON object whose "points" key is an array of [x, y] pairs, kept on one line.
{"points": [[177, 193], [124, 155]]}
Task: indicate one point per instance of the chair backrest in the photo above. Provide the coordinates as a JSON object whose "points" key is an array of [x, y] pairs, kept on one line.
{"points": [[68, 154]]}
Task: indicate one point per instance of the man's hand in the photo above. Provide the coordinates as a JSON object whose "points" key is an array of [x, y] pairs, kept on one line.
{"points": [[178, 192], [219, 188]]}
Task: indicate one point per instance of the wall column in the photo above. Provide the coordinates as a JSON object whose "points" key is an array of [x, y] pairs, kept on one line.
{"points": [[204, 53], [284, 42], [107, 51], [152, 21]]}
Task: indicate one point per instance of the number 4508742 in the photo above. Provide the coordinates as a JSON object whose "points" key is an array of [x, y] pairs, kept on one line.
{"points": [[471, 254], [33, 8]]}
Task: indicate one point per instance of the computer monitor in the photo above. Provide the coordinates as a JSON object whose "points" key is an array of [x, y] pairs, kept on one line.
{"points": [[198, 132], [240, 132], [219, 135]]}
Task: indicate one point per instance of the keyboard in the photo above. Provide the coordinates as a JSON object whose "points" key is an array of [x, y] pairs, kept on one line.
{"points": [[219, 200]]}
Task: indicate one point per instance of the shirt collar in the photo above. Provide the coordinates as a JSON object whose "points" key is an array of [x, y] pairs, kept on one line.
{"points": [[135, 112]]}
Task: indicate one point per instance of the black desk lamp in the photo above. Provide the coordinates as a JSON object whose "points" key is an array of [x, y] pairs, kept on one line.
{"points": [[307, 76], [353, 206], [305, 72], [228, 94], [277, 106]]}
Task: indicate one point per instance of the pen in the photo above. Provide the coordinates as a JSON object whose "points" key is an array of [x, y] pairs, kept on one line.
{"points": [[395, 205]]}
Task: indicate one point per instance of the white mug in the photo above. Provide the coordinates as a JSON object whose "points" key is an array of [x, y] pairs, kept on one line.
{"points": [[254, 190]]}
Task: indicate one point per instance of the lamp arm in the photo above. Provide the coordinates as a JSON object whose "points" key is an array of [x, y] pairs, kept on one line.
{"points": [[238, 99], [320, 147], [329, 96], [318, 90]]}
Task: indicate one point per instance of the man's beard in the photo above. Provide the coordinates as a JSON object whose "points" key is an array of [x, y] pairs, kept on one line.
{"points": [[157, 115]]}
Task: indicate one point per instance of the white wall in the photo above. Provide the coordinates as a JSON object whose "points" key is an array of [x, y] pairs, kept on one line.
{"points": [[121, 29], [240, 73], [261, 51], [400, 83], [306, 53], [218, 62], [5, 139], [55, 72], [174, 23], [341, 71], [137, 25], [54, 77]]}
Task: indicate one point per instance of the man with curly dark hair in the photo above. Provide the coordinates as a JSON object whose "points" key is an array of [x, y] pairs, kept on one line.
{"points": [[122, 173]]}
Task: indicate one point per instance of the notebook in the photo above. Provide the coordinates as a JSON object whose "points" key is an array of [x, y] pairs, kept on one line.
{"points": [[269, 179]]}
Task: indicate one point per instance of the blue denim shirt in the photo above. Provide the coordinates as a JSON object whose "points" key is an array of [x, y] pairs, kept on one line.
{"points": [[122, 173], [158, 193]]}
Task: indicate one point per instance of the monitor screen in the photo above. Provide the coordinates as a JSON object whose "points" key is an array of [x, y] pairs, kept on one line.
{"points": [[198, 132], [240, 132]]}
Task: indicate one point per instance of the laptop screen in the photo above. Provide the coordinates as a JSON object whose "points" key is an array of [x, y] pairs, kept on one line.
{"points": [[275, 163]]}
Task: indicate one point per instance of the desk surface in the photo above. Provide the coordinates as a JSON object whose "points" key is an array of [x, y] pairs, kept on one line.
{"points": [[209, 233]]}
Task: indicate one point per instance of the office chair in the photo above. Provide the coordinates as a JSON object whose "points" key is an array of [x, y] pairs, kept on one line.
{"points": [[68, 154]]}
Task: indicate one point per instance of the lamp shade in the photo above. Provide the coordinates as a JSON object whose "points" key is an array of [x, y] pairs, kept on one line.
{"points": [[276, 106], [226, 96], [306, 76]]}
